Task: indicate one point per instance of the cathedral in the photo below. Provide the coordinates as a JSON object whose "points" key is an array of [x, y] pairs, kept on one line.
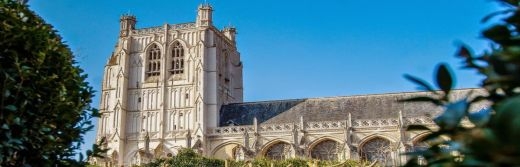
{"points": [[180, 85]]}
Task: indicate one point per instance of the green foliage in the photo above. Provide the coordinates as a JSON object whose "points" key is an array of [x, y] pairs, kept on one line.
{"points": [[493, 140], [347, 163], [295, 162], [186, 158], [186, 152], [44, 99], [264, 162]]}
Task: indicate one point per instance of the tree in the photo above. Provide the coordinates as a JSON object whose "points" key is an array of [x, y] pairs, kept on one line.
{"points": [[492, 140], [44, 98]]}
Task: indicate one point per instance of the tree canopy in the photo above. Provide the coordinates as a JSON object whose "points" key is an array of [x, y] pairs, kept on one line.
{"points": [[44, 98]]}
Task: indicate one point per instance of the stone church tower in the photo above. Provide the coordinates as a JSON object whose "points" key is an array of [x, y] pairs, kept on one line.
{"points": [[180, 86], [163, 87]]}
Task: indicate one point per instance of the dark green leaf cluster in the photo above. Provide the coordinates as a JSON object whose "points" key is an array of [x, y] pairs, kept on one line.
{"points": [[44, 98], [492, 139]]}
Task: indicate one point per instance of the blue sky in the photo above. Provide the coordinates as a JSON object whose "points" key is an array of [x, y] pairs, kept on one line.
{"points": [[296, 49]]}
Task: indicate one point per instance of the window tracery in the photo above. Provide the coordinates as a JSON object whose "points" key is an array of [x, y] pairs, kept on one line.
{"points": [[279, 151], [377, 149], [177, 63], [326, 150], [154, 61]]}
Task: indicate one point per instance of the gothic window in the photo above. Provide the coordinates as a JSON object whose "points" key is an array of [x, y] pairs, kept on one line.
{"points": [[279, 151], [377, 149], [154, 61], [177, 63], [181, 121], [326, 150]]}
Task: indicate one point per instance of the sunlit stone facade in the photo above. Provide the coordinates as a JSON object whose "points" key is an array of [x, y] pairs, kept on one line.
{"points": [[180, 86], [163, 86]]}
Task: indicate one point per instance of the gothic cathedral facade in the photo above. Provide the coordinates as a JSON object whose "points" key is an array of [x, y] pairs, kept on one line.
{"points": [[163, 86], [180, 86]]}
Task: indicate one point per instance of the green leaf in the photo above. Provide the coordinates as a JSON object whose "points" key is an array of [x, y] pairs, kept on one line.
{"points": [[417, 128], [478, 98], [423, 85], [17, 121], [499, 34], [452, 115], [508, 119], [432, 135], [422, 99], [7, 93], [10, 107], [511, 2], [481, 117], [494, 14], [464, 52], [444, 78], [412, 162], [5, 126]]}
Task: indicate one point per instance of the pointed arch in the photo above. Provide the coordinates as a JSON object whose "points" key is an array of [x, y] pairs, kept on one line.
{"points": [[277, 150], [325, 148], [153, 59], [376, 148], [177, 57], [375, 135]]}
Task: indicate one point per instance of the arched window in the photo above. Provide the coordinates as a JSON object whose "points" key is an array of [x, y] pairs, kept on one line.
{"points": [[326, 150], [377, 149], [177, 63], [154, 61], [279, 151]]}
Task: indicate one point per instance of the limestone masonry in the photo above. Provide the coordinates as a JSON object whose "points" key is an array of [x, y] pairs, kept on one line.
{"points": [[180, 86]]}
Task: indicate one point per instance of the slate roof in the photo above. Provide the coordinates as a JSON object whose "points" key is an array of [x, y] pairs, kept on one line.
{"points": [[378, 106]]}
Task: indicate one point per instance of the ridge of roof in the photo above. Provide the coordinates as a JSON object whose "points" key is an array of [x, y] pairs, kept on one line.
{"points": [[346, 96]]}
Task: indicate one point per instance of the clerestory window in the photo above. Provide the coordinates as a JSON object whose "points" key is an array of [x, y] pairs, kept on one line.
{"points": [[154, 61], [177, 63]]}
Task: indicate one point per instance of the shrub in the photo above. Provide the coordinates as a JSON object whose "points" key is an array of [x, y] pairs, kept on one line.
{"points": [[186, 158], [492, 141], [44, 99]]}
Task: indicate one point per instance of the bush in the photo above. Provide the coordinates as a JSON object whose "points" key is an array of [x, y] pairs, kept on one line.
{"points": [[186, 158], [347, 163], [493, 138], [44, 99]]}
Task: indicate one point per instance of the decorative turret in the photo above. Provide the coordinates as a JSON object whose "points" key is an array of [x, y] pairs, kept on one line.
{"points": [[204, 15], [230, 33], [127, 22]]}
